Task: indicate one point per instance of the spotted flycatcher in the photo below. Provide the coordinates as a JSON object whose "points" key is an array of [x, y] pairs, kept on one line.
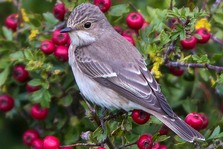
{"points": [[110, 71]]}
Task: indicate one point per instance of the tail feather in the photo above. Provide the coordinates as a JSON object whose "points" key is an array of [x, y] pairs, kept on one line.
{"points": [[181, 128]]}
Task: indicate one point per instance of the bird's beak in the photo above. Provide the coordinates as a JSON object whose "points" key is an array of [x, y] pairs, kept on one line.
{"points": [[66, 29]]}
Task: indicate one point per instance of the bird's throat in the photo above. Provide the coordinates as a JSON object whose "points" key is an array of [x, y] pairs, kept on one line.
{"points": [[81, 38]]}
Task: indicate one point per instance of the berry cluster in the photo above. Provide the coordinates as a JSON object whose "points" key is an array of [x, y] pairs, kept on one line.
{"points": [[32, 139], [134, 21], [145, 141], [58, 45], [190, 43]]}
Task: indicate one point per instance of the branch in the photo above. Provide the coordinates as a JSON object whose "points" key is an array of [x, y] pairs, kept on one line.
{"points": [[195, 65], [126, 145], [80, 144], [217, 40], [170, 48], [216, 4], [171, 5], [98, 122], [204, 4]]}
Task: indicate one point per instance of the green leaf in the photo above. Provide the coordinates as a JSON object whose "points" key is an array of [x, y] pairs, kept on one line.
{"points": [[45, 102], [35, 82], [162, 138], [119, 10], [17, 55], [205, 74], [66, 101], [51, 21], [7, 33], [4, 75], [215, 133], [189, 105]]}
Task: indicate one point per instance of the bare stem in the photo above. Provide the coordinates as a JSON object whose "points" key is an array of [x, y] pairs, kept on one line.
{"points": [[81, 144], [217, 40], [195, 65]]}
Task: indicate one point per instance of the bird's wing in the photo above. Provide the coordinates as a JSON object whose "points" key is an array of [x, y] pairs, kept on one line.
{"points": [[130, 79]]}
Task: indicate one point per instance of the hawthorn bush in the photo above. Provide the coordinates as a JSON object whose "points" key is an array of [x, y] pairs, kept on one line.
{"points": [[41, 106]]}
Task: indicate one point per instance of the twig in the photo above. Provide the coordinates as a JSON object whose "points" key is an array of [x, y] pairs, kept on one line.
{"points": [[170, 48], [217, 40], [195, 65], [126, 145], [216, 4], [81, 144], [98, 122], [204, 5], [171, 4]]}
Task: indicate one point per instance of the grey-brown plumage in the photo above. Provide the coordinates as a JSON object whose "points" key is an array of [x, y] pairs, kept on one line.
{"points": [[112, 73]]}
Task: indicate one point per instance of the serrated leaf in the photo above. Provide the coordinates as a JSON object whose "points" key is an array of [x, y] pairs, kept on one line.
{"points": [[7, 33], [215, 133], [119, 10], [4, 75], [220, 135]]}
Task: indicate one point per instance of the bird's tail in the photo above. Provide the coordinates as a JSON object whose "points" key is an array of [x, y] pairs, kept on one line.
{"points": [[181, 128]]}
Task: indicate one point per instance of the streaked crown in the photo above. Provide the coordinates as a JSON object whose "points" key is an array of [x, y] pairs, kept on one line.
{"points": [[85, 12]]}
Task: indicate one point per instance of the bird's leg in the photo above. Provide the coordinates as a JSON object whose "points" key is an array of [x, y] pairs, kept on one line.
{"points": [[197, 145], [102, 118]]}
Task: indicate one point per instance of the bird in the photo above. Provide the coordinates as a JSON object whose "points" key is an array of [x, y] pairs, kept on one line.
{"points": [[111, 72]]}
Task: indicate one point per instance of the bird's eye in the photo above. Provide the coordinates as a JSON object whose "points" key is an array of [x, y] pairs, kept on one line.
{"points": [[87, 25]]}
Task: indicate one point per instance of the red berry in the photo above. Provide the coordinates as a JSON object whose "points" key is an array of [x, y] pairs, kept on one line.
{"points": [[163, 130], [129, 32], [156, 145], [189, 43], [130, 39], [205, 35], [140, 117], [145, 141], [30, 88], [37, 144], [47, 47], [194, 120], [118, 29], [177, 71], [11, 22], [29, 136], [135, 20], [59, 38], [104, 5], [205, 120], [6, 103], [20, 73], [51, 142], [61, 53], [59, 11], [101, 147], [163, 147], [39, 113]]}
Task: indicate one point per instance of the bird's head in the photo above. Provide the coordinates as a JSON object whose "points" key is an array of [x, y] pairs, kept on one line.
{"points": [[86, 24]]}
